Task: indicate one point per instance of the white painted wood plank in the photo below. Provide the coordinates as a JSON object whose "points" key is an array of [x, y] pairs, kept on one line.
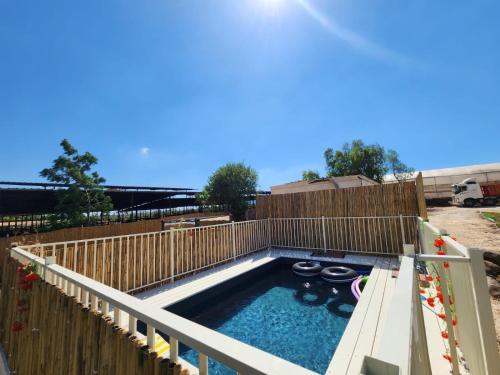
{"points": [[343, 354], [389, 290], [366, 339]]}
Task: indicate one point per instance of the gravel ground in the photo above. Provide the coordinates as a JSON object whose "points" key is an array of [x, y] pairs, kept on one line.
{"points": [[467, 225], [472, 230]]}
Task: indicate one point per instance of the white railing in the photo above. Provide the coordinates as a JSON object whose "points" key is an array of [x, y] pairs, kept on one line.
{"points": [[137, 261], [377, 235], [234, 354], [403, 346], [464, 279]]}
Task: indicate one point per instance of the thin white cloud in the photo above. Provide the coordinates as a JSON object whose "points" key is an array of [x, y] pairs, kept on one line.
{"points": [[356, 41], [144, 152]]}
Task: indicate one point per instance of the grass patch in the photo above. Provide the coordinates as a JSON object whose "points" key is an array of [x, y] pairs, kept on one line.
{"points": [[493, 217]]}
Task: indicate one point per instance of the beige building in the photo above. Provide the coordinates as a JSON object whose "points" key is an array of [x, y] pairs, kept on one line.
{"points": [[323, 184]]}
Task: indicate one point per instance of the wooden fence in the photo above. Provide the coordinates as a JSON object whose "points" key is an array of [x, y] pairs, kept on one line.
{"points": [[60, 336], [137, 261], [378, 200]]}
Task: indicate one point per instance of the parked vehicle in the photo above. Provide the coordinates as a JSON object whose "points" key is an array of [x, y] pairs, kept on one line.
{"points": [[469, 193]]}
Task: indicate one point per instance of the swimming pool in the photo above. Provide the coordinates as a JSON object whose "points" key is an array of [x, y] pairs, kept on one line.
{"points": [[298, 319]]}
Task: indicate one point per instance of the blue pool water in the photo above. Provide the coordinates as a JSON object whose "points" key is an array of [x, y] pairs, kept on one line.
{"points": [[276, 311]]}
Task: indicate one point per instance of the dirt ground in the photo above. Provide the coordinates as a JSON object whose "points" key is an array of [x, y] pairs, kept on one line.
{"points": [[472, 230], [467, 225]]}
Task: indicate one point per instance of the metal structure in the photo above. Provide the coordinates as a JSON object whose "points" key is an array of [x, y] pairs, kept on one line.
{"points": [[24, 206]]}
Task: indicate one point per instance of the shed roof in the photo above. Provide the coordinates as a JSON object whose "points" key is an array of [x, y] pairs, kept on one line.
{"points": [[323, 183]]}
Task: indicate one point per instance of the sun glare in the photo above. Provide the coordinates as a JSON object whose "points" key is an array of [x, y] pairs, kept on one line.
{"points": [[272, 5]]}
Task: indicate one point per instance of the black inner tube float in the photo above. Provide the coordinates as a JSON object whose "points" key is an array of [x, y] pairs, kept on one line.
{"points": [[306, 268], [338, 274]]}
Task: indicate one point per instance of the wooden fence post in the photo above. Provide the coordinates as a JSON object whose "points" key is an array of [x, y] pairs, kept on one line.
{"points": [[422, 206]]}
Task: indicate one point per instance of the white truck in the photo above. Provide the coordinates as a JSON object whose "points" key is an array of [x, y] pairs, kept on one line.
{"points": [[469, 193]]}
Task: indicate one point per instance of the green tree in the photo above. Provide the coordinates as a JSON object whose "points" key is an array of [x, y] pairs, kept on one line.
{"points": [[83, 196], [399, 169], [310, 175], [231, 185], [356, 158]]}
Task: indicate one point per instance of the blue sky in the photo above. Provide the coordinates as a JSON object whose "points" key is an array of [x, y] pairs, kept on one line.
{"points": [[164, 92]]}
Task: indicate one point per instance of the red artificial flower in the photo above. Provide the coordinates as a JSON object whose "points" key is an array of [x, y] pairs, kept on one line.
{"points": [[438, 288], [438, 279], [440, 252], [30, 277], [447, 357], [421, 290], [442, 316], [430, 300], [439, 242], [428, 278], [431, 304], [446, 265], [17, 326], [444, 335], [454, 322], [440, 297]]}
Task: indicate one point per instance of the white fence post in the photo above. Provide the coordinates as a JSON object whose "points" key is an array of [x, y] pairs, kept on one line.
{"points": [[402, 228], [174, 349], [132, 324], [324, 232], [151, 331], [105, 307], [48, 261], [202, 364], [234, 239], [268, 233], [117, 318], [172, 254]]}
